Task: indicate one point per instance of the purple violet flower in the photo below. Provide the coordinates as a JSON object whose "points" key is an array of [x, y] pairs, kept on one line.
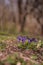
{"points": [[34, 40], [23, 39], [29, 40], [19, 38]]}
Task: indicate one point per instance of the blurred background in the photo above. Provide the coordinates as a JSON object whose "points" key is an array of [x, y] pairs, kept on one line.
{"points": [[21, 16]]}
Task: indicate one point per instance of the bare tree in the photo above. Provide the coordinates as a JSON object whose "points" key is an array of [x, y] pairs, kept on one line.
{"points": [[2, 8], [25, 13], [23, 5], [38, 7], [20, 10]]}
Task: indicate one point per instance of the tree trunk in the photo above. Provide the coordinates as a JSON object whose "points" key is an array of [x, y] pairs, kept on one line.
{"points": [[20, 10], [24, 13], [42, 29], [23, 22]]}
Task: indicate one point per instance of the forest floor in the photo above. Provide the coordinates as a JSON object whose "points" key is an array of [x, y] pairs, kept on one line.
{"points": [[10, 54]]}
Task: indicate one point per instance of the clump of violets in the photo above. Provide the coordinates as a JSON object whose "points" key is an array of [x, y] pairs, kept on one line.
{"points": [[24, 38], [33, 40], [21, 38]]}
